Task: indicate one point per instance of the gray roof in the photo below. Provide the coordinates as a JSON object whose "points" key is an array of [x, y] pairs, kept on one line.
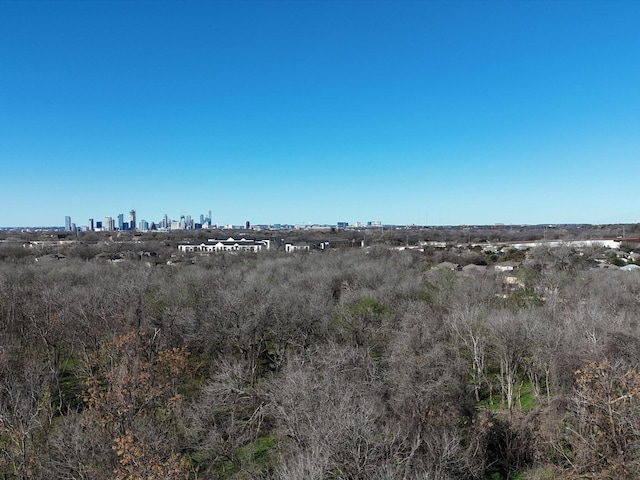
{"points": [[630, 267]]}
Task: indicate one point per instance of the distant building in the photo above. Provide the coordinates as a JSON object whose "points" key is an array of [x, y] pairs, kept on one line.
{"points": [[91, 226], [132, 219], [67, 223], [228, 245], [109, 224]]}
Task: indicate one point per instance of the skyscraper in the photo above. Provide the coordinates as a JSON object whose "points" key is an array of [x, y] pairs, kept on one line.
{"points": [[67, 223], [91, 227], [132, 219], [120, 221]]}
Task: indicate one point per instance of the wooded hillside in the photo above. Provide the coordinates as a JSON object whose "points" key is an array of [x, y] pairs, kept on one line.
{"points": [[344, 364]]}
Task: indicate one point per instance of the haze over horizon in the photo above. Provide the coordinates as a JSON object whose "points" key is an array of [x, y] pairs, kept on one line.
{"points": [[444, 113]]}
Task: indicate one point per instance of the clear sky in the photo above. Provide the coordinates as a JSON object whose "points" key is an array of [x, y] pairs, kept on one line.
{"points": [[437, 112]]}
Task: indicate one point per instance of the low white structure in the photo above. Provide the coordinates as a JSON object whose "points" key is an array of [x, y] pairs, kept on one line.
{"points": [[228, 245], [506, 266], [571, 243]]}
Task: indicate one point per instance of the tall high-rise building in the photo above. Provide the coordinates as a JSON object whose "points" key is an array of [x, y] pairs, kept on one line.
{"points": [[120, 221], [91, 227], [209, 217], [132, 219], [67, 223], [109, 224], [165, 221]]}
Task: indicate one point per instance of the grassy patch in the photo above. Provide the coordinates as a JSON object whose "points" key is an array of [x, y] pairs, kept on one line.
{"points": [[524, 398], [251, 460], [527, 400]]}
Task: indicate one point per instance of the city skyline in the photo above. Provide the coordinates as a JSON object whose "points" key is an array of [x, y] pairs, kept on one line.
{"points": [[184, 221], [436, 113]]}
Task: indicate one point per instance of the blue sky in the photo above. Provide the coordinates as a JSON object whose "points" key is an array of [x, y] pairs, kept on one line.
{"points": [[457, 112]]}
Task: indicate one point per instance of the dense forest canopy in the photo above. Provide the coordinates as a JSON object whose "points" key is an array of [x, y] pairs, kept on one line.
{"points": [[123, 359]]}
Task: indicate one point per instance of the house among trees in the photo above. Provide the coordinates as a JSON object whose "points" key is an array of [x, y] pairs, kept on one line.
{"points": [[448, 266], [228, 245]]}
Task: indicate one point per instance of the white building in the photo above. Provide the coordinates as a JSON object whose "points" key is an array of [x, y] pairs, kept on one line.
{"points": [[228, 245]]}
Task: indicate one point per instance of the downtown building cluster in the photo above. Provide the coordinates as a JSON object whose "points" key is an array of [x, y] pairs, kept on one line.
{"points": [[118, 223]]}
